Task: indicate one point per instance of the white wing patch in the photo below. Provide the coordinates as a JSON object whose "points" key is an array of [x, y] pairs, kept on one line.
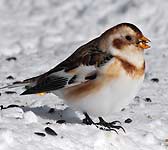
{"points": [[78, 77]]}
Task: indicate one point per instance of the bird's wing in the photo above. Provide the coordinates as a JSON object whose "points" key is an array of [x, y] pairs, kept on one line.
{"points": [[80, 67]]}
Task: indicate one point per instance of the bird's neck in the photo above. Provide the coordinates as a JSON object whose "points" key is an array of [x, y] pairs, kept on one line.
{"points": [[131, 56], [136, 60], [134, 69]]}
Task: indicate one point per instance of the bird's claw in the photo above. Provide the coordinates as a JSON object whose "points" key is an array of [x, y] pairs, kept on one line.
{"points": [[109, 126], [102, 124]]}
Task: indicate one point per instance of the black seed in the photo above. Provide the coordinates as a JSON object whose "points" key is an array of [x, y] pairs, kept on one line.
{"points": [[148, 99], [11, 58], [12, 105], [10, 78], [50, 131], [137, 99], [123, 109], [18, 118], [52, 110], [0, 94], [61, 121], [40, 134], [10, 92], [48, 123], [155, 79], [128, 120]]}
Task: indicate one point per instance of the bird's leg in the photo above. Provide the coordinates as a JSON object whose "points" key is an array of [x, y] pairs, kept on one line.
{"points": [[87, 120]]}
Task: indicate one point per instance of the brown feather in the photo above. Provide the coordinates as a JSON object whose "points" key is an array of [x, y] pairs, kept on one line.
{"points": [[87, 55], [131, 69]]}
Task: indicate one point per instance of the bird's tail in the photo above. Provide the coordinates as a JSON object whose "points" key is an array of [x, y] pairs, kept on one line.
{"points": [[27, 84], [16, 84]]}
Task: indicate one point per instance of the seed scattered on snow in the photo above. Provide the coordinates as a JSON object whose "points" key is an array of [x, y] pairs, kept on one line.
{"points": [[137, 99], [155, 79], [123, 109], [148, 99], [48, 123], [61, 121], [10, 92], [11, 58], [10, 106], [50, 131], [10, 77], [128, 120], [40, 134]]}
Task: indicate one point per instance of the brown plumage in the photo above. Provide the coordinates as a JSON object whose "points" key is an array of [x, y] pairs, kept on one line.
{"points": [[131, 69], [115, 54]]}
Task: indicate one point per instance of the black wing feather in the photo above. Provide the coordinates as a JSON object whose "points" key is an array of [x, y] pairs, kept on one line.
{"points": [[48, 84]]}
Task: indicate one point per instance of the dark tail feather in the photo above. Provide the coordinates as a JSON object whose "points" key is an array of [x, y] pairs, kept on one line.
{"points": [[27, 92], [47, 85], [15, 85]]}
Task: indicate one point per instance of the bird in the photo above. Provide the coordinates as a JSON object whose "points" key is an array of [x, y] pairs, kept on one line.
{"points": [[101, 77]]}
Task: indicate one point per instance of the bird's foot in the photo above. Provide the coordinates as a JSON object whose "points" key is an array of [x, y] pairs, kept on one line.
{"points": [[109, 126], [102, 124]]}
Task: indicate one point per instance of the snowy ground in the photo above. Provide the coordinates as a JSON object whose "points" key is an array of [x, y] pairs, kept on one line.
{"points": [[40, 34]]}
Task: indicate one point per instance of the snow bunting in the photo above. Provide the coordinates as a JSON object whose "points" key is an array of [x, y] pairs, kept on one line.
{"points": [[100, 77]]}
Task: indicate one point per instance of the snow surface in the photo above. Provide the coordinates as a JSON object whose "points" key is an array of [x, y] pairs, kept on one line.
{"points": [[40, 34]]}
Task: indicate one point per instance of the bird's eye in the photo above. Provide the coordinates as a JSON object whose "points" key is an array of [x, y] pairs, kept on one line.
{"points": [[128, 37]]}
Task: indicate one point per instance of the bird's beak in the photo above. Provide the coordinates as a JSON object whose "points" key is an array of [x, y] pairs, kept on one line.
{"points": [[142, 43]]}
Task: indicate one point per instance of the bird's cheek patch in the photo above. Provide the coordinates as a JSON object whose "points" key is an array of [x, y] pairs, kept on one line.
{"points": [[117, 43]]}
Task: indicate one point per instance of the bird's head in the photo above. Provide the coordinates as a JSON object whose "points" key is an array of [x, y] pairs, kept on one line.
{"points": [[125, 41]]}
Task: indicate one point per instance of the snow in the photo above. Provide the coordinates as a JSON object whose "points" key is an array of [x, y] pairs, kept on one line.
{"points": [[40, 34]]}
